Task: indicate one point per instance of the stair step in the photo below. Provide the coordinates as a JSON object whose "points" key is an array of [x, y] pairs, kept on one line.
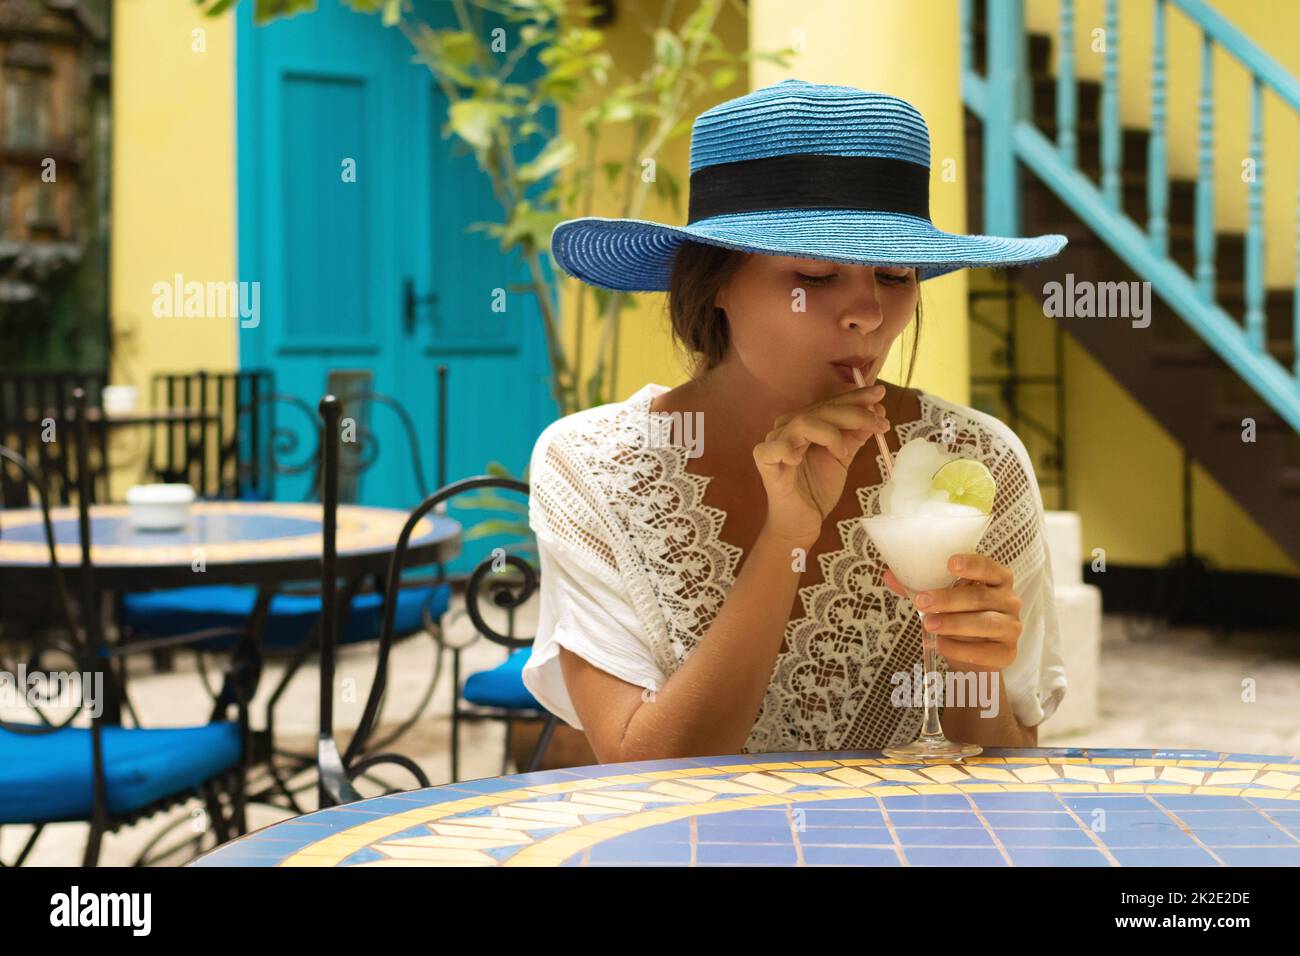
{"points": [[1229, 252], [1230, 417], [1087, 100], [1196, 354], [1133, 183], [1133, 143], [1040, 50], [1180, 207], [1045, 212], [1230, 294], [1184, 355]]}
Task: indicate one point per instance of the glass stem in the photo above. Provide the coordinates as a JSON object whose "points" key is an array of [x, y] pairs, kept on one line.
{"points": [[930, 727]]}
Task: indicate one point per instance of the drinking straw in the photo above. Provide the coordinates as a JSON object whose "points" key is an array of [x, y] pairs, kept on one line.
{"points": [[880, 439]]}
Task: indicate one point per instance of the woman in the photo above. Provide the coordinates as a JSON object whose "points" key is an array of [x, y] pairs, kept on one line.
{"points": [[720, 596]]}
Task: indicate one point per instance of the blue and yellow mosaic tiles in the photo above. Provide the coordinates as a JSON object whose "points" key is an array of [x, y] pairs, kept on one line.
{"points": [[1006, 808]]}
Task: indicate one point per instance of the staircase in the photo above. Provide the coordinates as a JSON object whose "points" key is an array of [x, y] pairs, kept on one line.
{"points": [[1199, 378]]}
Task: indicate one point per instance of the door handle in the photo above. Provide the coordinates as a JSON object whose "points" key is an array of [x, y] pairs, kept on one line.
{"points": [[410, 301]]}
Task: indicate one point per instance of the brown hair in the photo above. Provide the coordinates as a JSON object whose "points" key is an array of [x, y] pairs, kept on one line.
{"points": [[700, 327]]}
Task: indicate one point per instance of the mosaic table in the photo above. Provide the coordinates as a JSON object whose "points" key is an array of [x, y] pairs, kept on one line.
{"points": [[1031, 807], [239, 542]]}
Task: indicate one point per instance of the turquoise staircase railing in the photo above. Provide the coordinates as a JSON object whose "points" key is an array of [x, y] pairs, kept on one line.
{"points": [[1001, 99]]}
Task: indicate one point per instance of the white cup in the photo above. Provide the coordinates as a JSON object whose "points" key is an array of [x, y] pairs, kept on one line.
{"points": [[119, 399], [159, 507]]}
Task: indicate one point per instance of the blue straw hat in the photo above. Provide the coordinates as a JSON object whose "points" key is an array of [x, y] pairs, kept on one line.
{"points": [[797, 169]]}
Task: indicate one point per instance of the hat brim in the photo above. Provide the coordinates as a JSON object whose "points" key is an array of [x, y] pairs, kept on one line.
{"points": [[636, 255]]}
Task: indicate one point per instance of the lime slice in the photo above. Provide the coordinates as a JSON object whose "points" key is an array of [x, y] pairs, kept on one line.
{"points": [[968, 482]]}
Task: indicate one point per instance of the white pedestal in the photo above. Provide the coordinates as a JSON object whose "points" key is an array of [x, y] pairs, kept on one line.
{"points": [[1064, 543], [1078, 608]]}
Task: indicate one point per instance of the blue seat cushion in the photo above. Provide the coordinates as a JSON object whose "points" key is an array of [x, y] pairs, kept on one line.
{"points": [[49, 777], [289, 619], [503, 685]]}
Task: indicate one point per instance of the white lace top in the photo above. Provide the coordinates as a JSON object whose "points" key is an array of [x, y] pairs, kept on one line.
{"points": [[633, 573]]}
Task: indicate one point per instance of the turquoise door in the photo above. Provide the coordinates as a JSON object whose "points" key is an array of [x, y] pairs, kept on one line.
{"points": [[352, 217]]}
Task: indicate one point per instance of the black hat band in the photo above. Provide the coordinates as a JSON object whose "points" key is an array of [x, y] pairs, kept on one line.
{"points": [[810, 180]]}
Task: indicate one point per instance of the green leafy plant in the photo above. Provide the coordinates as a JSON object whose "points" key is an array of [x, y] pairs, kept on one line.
{"points": [[516, 524], [497, 111]]}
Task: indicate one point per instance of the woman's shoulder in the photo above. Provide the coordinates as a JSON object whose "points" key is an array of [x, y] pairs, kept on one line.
{"points": [[582, 472], [596, 432]]}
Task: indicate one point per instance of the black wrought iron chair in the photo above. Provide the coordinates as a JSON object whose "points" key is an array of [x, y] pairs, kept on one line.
{"points": [[337, 772], [38, 422], [497, 693], [290, 630], [236, 445], [106, 774], [218, 442], [32, 407]]}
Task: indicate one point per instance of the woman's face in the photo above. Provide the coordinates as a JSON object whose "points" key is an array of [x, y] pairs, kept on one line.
{"points": [[799, 325]]}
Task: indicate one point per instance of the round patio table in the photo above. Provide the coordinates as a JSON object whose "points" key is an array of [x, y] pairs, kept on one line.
{"points": [[261, 543], [1013, 807], [225, 542]]}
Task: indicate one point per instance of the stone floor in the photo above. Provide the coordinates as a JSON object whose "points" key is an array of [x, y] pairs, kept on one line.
{"points": [[1159, 689]]}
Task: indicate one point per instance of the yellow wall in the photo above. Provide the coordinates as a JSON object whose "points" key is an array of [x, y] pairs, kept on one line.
{"points": [[173, 195], [173, 184]]}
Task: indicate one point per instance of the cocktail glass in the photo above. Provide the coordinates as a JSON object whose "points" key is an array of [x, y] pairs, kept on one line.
{"points": [[917, 549]]}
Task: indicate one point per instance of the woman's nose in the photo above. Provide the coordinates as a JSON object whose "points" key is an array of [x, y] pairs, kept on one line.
{"points": [[863, 320], [864, 313]]}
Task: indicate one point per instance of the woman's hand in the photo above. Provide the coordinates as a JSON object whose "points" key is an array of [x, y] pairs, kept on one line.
{"points": [[977, 620], [805, 459]]}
